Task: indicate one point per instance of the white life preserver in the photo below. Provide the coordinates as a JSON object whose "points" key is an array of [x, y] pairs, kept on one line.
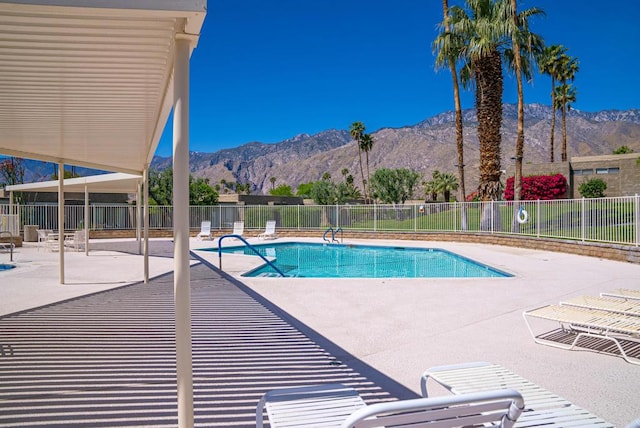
{"points": [[523, 215]]}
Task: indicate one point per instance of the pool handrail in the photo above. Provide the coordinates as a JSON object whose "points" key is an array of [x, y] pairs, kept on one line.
{"points": [[10, 243], [251, 247], [324, 235], [333, 235]]}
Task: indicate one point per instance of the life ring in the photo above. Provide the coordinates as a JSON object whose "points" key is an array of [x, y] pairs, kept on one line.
{"points": [[523, 215]]}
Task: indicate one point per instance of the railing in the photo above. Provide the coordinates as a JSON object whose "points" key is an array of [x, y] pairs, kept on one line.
{"points": [[249, 246], [607, 220]]}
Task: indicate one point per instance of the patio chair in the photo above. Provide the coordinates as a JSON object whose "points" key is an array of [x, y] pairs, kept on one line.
{"points": [[542, 407], [611, 304], [238, 228], [586, 322], [205, 231], [624, 293], [43, 235], [269, 231], [75, 241], [337, 405]]}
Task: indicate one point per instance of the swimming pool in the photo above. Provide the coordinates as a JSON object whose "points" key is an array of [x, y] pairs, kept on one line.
{"points": [[4, 266], [310, 260]]}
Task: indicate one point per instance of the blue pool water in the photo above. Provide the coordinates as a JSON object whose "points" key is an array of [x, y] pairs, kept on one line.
{"points": [[4, 266], [310, 260]]}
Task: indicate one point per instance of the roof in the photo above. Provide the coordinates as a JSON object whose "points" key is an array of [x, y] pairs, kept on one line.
{"points": [[89, 82], [104, 183]]}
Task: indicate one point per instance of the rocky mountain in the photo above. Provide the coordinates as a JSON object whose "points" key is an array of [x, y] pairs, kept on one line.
{"points": [[425, 147]]}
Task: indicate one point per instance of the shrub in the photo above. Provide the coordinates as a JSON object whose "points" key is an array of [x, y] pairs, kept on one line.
{"points": [[593, 188], [534, 187]]}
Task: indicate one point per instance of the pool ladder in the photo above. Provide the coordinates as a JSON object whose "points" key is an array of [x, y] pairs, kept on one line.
{"points": [[11, 245], [251, 247], [333, 235]]}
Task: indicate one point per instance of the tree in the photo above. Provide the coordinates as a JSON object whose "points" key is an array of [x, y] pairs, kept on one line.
{"points": [[273, 182], [565, 95], [622, 150], [448, 50], [593, 188], [431, 189], [357, 131], [282, 190], [304, 190], [323, 192], [11, 173], [200, 192], [549, 63], [367, 144], [445, 183], [161, 189], [393, 186]]}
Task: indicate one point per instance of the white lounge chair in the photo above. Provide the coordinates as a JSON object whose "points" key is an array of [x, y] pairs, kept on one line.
{"points": [[624, 293], [542, 407], [43, 235], [339, 406], [205, 231], [585, 322], [238, 228], [612, 304], [269, 231], [75, 241]]}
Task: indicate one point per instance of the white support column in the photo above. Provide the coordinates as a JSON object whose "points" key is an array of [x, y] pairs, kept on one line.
{"points": [[139, 218], [182, 292], [146, 224], [86, 220], [61, 221]]}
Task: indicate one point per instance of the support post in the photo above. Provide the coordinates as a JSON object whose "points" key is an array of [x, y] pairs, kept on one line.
{"points": [[61, 221], [86, 220], [146, 224], [139, 217], [182, 292]]}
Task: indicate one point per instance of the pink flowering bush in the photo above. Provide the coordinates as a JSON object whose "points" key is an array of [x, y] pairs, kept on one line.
{"points": [[534, 187]]}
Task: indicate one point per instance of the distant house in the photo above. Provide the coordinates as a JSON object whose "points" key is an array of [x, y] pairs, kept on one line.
{"points": [[620, 172]]}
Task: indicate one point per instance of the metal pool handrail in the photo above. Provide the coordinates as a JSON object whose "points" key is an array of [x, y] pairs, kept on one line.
{"points": [[10, 243], [251, 247]]}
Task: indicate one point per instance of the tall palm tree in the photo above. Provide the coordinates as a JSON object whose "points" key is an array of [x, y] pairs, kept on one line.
{"points": [[567, 72], [445, 183], [484, 34], [273, 182], [549, 63], [447, 48], [565, 95], [357, 131], [366, 143]]}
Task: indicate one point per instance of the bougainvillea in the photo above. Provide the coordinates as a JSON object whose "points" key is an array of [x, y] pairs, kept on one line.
{"points": [[534, 187]]}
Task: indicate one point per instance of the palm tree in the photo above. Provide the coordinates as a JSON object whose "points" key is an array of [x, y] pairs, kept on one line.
{"points": [[366, 143], [273, 182], [549, 63], [448, 50], [357, 131], [565, 95], [445, 183], [567, 72]]}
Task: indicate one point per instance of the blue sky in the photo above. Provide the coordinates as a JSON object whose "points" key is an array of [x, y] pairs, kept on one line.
{"points": [[267, 71]]}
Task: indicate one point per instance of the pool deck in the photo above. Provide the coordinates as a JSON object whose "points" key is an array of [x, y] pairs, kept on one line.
{"points": [[386, 330]]}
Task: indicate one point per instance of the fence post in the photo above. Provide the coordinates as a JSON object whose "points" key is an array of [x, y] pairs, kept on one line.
{"points": [[375, 218], [583, 218], [538, 218], [415, 218], [491, 214], [637, 212]]}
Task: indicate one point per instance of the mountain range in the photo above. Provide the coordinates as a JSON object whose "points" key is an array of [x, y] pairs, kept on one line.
{"points": [[424, 147]]}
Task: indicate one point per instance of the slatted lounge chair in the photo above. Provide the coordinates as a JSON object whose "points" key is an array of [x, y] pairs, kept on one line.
{"points": [[624, 293], [339, 406], [612, 304], [205, 231], [584, 322], [269, 231], [542, 407]]}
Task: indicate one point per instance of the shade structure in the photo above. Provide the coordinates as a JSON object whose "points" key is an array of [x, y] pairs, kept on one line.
{"points": [[89, 82], [104, 183]]}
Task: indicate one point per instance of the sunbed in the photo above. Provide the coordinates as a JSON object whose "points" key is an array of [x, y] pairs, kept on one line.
{"points": [[205, 231], [269, 231], [542, 407], [625, 293], [585, 322], [606, 303], [340, 406]]}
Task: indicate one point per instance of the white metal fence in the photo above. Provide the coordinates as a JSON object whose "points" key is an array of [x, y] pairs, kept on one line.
{"points": [[609, 220]]}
